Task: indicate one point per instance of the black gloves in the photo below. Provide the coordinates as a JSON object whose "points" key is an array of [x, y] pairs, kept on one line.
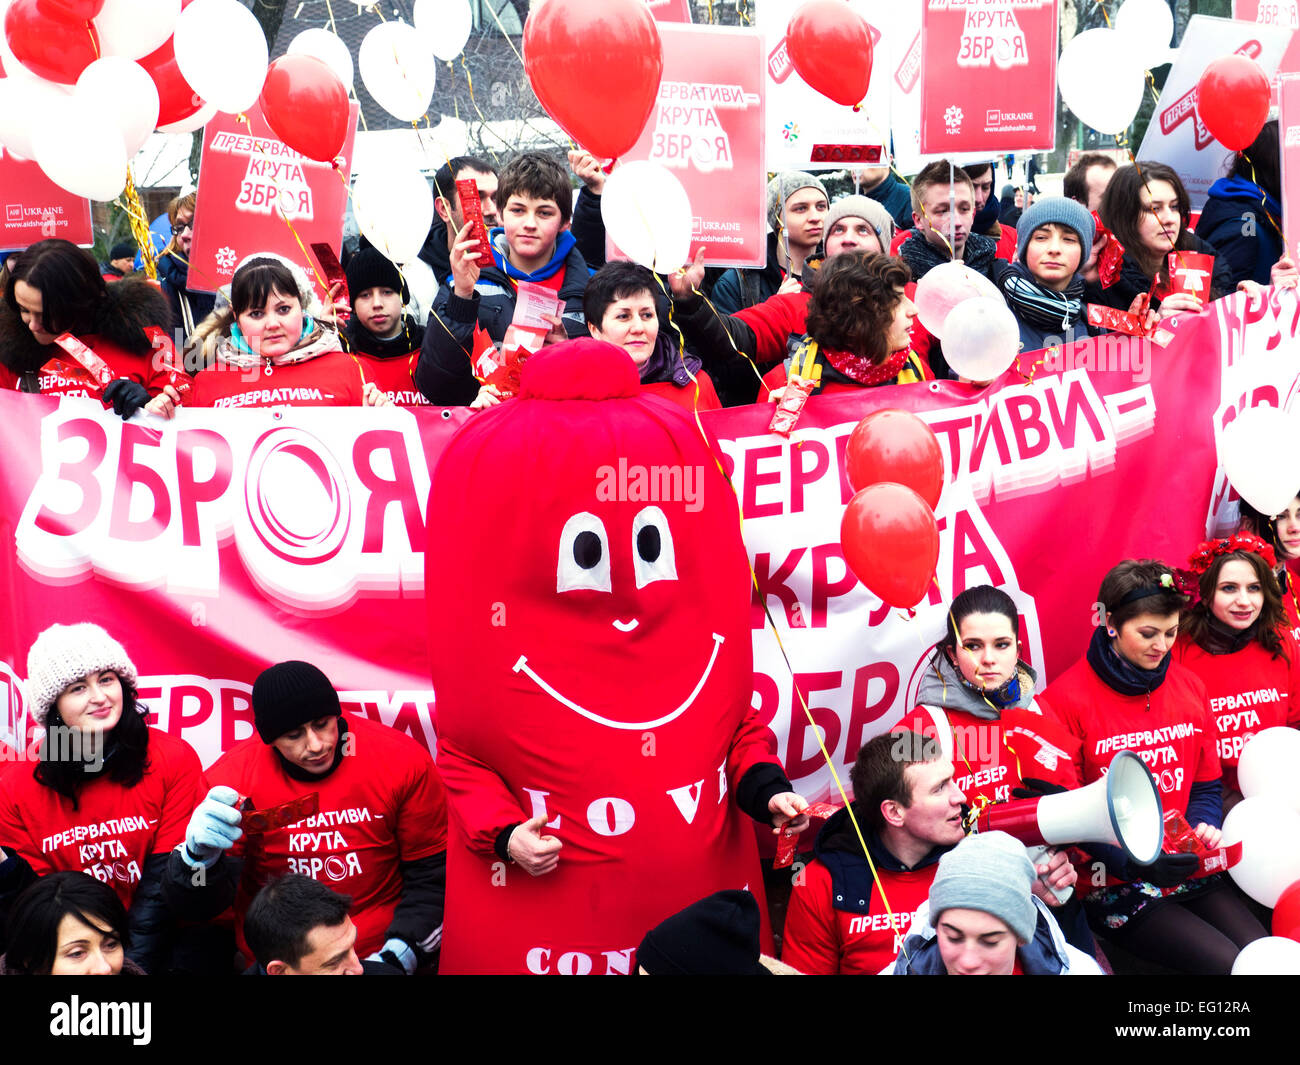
{"points": [[127, 396], [1169, 870], [1033, 788]]}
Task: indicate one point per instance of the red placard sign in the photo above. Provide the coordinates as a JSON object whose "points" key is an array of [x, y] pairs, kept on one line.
{"points": [[1281, 13], [35, 208], [1288, 124], [707, 127], [670, 10], [256, 192], [988, 75]]}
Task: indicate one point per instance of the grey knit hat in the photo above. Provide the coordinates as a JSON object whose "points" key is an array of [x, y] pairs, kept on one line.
{"points": [[1062, 211], [866, 208], [64, 653], [989, 872], [785, 185]]}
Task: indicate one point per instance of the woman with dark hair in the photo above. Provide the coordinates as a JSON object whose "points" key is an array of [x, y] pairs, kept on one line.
{"points": [[1238, 644], [1127, 694], [1146, 209], [55, 288], [1283, 532], [173, 264], [274, 345], [68, 924], [109, 795]]}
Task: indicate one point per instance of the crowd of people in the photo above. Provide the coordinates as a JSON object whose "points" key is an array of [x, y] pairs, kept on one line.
{"points": [[120, 854]]}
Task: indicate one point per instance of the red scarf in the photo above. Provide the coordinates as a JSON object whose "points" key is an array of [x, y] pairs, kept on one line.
{"points": [[864, 371]]}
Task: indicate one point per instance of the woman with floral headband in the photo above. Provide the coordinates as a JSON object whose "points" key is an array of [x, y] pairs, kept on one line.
{"points": [[1126, 694], [1237, 642]]}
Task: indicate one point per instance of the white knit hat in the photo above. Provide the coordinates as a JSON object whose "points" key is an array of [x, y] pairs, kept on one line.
{"points": [[64, 653]]}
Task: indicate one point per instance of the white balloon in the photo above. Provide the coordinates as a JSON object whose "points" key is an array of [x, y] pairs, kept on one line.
{"points": [[1101, 80], [200, 118], [648, 215], [445, 25], [397, 69], [393, 205], [329, 49], [1267, 766], [1257, 452], [80, 148], [982, 339], [134, 28], [1270, 956], [946, 286], [423, 286], [24, 102], [1269, 834], [127, 92], [1149, 25], [221, 53]]}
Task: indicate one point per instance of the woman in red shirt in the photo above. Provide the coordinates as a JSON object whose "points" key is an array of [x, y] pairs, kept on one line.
{"points": [[1236, 641], [1127, 694]]}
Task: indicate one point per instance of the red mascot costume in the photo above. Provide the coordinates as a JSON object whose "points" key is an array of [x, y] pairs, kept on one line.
{"points": [[589, 629]]}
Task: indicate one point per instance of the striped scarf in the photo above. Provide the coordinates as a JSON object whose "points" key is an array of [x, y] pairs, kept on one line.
{"points": [[1041, 307]]}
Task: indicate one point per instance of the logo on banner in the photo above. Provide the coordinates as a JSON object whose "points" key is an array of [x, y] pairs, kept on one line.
{"points": [[952, 119], [1185, 106], [687, 127], [991, 34]]}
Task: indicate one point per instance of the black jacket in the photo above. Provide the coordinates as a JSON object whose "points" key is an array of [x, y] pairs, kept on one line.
{"points": [[1133, 282]]}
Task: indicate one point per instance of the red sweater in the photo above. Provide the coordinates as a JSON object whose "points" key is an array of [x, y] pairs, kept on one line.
{"points": [[330, 380], [1249, 691]]}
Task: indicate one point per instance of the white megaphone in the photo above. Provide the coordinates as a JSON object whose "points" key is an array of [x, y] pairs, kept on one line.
{"points": [[1122, 808]]}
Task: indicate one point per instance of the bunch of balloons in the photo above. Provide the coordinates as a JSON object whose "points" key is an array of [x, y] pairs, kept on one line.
{"points": [[965, 310], [888, 532]]}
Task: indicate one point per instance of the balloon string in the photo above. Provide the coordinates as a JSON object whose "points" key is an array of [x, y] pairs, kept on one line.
{"points": [[496, 18], [139, 223], [486, 125], [1263, 202]]}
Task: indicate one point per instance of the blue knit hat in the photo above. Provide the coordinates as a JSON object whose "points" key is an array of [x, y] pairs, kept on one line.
{"points": [[1062, 211]]}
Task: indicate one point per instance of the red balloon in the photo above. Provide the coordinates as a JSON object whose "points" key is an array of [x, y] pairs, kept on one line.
{"points": [[595, 65], [1232, 100], [306, 106], [176, 100], [55, 49], [895, 445], [830, 46], [891, 542], [71, 9], [1286, 914]]}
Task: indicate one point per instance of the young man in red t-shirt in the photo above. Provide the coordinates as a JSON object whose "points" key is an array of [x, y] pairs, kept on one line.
{"points": [[380, 833]]}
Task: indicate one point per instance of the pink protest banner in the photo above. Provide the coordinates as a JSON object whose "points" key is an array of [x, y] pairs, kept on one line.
{"points": [[36, 209], [256, 192], [707, 127], [1282, 13], [1288, 125], [988, 76], [670, 10]]}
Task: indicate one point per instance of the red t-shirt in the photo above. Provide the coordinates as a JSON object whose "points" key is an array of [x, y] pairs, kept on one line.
{"points": [[1249, 691], [329, 380], [115, 828], [383, 805], [823, 941], [393, 377], [63, 376]]}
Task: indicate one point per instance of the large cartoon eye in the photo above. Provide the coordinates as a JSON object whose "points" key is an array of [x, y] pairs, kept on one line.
{"points": [[653, 557], [584, 555]]}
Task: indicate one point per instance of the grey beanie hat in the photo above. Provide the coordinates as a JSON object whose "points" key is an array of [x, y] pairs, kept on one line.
{"points": [[989, 872], [64, 653], [1062, 211], [785, 185], [866, 208]]}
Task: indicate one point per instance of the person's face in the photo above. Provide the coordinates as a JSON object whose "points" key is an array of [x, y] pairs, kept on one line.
{"points": [[86, 950], [987, 650], [1096, 178], [1053, 255], [1287, 525], [852, 234], [1020, 198], [938, 219], [868, 177], [805, 211], [1145, 640], [1159, 226], [30, 302], [310, 746], [275, 328], [934, 815], [983, 189], [183, 230], [900, 329], [631, 323], [93, 703], [126, 265], [531, 226], [1238, 595], [975, 943], [487, 198], [379, 310], [331, 952]]}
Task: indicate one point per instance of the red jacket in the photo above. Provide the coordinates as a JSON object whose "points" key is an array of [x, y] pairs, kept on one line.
{"points": [[684, 396], [62, 376]]}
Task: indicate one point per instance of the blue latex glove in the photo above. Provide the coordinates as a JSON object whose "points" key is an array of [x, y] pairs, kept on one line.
{"points": [[398, 953], [213, 828]]}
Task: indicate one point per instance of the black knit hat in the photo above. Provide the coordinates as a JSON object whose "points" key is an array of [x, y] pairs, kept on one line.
{"points": [[370, 268], [717, 936], [289, 694], [123, 249]]}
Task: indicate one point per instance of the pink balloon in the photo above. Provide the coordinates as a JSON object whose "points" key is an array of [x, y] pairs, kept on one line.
{"points": [[947, 285]]}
